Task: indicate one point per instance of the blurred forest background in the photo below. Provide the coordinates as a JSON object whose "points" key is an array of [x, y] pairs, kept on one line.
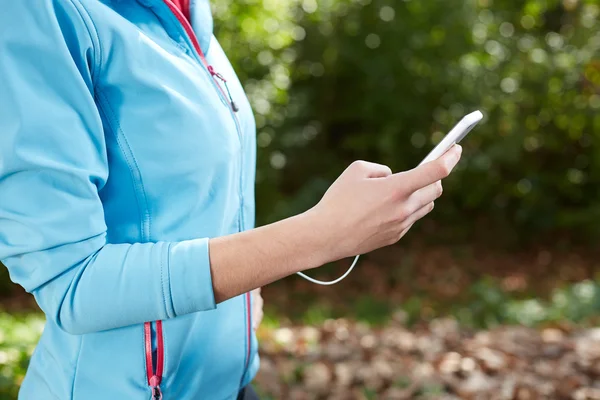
{"points": [[496, 294]]}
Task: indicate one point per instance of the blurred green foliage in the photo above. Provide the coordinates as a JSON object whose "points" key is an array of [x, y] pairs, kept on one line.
{"points": [[489, 305], [18, 337], [484, 305], [332, 81]]}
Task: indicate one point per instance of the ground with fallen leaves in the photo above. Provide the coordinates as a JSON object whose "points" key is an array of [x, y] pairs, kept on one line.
{"points": [[344, 360]]}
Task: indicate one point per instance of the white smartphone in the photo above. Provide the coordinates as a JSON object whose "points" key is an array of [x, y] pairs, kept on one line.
{"points": [[457, 134]]}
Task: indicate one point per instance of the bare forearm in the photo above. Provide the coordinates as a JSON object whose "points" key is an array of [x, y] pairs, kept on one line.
{"points": [[248, 260], [366, 208]]}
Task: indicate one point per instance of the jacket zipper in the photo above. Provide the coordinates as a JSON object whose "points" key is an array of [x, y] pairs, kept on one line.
{"points": [[154, 373], [216, 77]]}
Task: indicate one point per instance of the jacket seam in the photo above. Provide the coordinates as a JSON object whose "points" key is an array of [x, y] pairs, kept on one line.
{"points": [[132, 164], [95, 38], [76, 366], [168, 261], [162, 284], [165, 284]]}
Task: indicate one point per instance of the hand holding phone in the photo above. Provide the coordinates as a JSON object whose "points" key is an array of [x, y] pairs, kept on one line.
{"points": [[421, 197]]}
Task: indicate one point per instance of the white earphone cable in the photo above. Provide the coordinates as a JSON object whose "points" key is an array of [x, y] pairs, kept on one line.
{"points": [[318, 282]]}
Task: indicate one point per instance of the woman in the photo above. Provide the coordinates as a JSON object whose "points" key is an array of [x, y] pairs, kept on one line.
{"points": [[127, 157]]}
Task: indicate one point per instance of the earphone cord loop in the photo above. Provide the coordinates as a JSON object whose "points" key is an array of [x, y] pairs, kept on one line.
{"points": [[318, 282]]}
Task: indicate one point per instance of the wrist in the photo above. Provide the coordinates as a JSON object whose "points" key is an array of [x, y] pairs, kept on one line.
{"points": [[319, 238]]}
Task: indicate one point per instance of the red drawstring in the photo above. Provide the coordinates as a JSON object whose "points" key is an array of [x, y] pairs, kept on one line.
{"points": [[154, 377]]}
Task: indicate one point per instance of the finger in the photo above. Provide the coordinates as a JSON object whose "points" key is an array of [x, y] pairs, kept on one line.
{"points": [[414, 217], [405, 230], [426, 174], [371, 170], [419, 199], [426, 195]]}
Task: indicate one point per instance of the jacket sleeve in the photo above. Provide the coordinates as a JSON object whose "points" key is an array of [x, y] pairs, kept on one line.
{"points": [[53, 162]]}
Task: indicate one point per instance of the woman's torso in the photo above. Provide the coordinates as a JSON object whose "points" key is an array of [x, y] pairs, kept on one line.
{"points": [[180, 167]]}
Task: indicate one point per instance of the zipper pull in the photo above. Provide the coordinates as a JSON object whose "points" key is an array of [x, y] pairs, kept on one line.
{"points": [[212, 71], [156, 393], [155, 385]]}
